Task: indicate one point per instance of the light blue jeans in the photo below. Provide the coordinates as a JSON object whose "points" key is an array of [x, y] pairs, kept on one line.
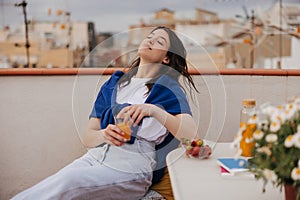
{"points": [[106, 172]]}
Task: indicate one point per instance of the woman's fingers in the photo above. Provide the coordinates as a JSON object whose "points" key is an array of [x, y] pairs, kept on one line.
{"points": [[125, 115], [123, 111], [140, 111], [137, 121], [135, 113], [114, 135]]}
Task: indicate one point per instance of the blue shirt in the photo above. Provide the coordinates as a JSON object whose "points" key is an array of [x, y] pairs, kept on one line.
{"points": [[166, 93]]}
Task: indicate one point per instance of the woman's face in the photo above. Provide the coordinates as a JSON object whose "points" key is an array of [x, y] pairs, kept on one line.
{"points": [[154, 47]]}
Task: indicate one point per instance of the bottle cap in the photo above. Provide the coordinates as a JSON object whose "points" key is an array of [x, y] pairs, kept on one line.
{"points": [[249, 102]]}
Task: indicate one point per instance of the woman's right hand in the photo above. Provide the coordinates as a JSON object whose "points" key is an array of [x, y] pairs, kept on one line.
{"points": [[113, 135], [95, 136]]}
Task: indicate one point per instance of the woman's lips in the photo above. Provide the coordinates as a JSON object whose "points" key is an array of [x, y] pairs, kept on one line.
{"points": [[147, 46]]}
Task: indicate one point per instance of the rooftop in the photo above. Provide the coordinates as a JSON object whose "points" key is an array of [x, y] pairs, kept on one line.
{"points": [[45, 111]]}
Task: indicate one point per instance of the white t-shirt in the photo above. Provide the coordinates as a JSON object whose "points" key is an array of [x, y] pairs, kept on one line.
{"points": [[134, 93]]}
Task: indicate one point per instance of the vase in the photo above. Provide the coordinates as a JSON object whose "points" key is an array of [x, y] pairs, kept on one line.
{"points": [[290, 192]]}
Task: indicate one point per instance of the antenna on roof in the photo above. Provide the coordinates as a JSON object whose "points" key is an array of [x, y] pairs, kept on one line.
{"points": [[23, 4], [246, 12]]}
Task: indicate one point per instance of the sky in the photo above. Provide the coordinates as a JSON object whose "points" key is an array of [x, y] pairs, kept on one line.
{"points": [[118, 15]]}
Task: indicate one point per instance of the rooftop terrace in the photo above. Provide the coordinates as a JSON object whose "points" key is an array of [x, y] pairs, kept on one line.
{"points": [[45, 111]]}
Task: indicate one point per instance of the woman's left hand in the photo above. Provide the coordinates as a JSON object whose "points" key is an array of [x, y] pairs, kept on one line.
{"points": [[136, 112]]}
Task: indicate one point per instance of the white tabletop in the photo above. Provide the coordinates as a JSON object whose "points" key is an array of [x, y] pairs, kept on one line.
{"points": [[192, 178]]}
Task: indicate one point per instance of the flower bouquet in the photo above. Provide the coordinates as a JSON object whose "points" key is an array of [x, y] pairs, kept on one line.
{"points": [[275, 143]]}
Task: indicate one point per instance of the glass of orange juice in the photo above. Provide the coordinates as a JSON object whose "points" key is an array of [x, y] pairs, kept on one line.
{"points": [[124, 126]]}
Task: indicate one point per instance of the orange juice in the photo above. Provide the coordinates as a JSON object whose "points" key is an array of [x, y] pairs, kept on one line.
{"points": [[126, 129], [245, 146]]}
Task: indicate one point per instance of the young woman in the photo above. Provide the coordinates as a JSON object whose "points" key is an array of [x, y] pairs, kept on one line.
{"points": [[149, 96]]}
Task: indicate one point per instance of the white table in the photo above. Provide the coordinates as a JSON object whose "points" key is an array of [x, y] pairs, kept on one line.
{"points": [[192, 178]]}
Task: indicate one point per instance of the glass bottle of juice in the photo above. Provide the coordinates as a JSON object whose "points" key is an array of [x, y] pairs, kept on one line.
{"points": [[247, 111]]}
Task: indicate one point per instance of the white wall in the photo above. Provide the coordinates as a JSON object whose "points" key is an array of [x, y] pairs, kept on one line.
{"points": [[43, 117], [38, 132], [220, 99]]}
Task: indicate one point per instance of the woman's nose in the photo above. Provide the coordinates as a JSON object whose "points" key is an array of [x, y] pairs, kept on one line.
{"points": [[151, 41]]}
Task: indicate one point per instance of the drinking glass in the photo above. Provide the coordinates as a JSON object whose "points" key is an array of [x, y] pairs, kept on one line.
{"points": [[124, 125]]}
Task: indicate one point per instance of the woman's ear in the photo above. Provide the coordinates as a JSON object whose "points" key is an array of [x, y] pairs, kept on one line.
{"points": [[166, 60]]}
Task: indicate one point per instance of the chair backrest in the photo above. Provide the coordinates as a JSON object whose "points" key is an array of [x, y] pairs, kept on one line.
{"points": [[170, 143]]}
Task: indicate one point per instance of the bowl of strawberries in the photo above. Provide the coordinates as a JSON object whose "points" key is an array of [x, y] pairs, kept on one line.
{"points": [[196, 148]]}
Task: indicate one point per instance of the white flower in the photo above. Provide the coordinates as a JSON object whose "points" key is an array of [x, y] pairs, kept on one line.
{"points": [[270, 175], [288, 142], [295, 174], [243, 127], [258, 134], [271, 138], [275, 126], [279, 116], [297, 140], [263, 125], [267, 109], [238, 137], [289, 106], [299, 163], [290, 111], [265, 150], [253, 120]]}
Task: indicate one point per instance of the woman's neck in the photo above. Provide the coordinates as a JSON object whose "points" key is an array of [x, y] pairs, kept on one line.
{"points": [[147, 70]]}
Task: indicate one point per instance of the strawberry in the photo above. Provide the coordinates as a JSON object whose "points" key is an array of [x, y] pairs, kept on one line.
{"points": [[195, 151], [188, 151], [194, 143], [196, 148]]}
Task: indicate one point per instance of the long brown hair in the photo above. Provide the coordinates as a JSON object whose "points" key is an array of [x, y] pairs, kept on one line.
{"points": [[177, 65]]}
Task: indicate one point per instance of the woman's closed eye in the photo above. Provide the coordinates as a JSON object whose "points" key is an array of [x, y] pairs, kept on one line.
{"points": [[159, 41]]}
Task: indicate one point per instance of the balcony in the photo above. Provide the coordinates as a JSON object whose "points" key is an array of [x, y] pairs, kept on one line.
{"points": [[44, 113]]}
